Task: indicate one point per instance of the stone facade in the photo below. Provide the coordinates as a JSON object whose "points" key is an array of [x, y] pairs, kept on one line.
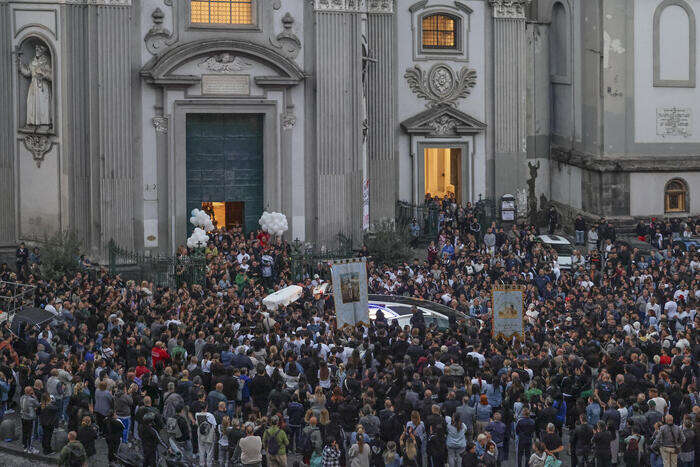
{"points": [[351, 99]]}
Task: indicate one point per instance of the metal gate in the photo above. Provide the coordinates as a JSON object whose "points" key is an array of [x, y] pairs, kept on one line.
{"points": [[225, 162]]}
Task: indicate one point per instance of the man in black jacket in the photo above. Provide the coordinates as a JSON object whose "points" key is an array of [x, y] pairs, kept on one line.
{"points": [[580, 443]]}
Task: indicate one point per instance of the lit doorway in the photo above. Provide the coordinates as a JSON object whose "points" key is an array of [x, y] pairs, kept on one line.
{"points": [[225, 213], [443, 172]]}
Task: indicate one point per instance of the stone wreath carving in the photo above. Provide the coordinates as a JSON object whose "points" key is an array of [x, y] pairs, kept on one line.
{"points": [[288, 42], [441, 85], [38, 145]]}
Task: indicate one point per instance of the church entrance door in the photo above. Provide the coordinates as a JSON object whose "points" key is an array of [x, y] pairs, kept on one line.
{"points": [[225, 167]]}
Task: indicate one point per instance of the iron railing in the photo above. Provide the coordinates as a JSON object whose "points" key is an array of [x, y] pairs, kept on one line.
{"points": [[427, 218], [306, 261], [163, 270], [14, 296]]}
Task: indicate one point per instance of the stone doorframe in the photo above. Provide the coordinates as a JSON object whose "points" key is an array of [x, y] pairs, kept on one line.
{"points": [[177, 157], [466, 162]]}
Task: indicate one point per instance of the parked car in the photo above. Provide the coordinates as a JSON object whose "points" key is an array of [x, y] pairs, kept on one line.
{"points": [[562, 246]]}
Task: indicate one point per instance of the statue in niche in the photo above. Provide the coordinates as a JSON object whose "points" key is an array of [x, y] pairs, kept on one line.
{"points": [[40, 74]]}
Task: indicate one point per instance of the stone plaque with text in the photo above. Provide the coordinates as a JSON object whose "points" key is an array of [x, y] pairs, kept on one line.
{"points": [[674, 121], [229, 85]]}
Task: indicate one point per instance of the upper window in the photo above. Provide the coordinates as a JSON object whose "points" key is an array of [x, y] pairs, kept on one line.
{"points": [[440, 32], [676, 195], [221, 12]]}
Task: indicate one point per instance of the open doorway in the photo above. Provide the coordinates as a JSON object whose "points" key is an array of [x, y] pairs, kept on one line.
{"points": [[443, 173], [225, 213]]}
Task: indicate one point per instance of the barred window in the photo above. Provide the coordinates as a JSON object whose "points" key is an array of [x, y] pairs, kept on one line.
{"points": [[221, 11], [440, 32]]}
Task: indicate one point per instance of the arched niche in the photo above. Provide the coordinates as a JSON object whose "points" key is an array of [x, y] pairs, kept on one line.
{"points": [[674, 45], [35, 64]]}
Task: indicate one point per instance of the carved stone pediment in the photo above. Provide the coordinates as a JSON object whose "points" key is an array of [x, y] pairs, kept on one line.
{"points": [[443, 121]]}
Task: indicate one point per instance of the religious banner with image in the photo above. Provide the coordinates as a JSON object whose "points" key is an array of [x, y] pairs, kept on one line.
{"points": [[507, 305], [349, 277]]}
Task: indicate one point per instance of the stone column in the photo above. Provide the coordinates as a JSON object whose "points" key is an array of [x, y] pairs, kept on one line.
{"points": [[510, 110], [7, 140], [338, 122], [381, 100]]}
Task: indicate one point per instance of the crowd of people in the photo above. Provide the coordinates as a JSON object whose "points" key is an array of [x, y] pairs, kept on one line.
{"points": [[605, 374]]}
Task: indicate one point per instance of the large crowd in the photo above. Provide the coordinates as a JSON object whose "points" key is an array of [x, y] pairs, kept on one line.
{"points": [[606, 373]]}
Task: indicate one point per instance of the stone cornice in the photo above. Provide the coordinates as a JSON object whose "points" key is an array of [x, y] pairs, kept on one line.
{"points": [[72, 2], [510, 9], [626, 163], [355, 6]]}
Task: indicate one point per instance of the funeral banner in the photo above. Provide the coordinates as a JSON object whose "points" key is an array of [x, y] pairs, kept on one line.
{"points": [[350, 291], [507, 305]]}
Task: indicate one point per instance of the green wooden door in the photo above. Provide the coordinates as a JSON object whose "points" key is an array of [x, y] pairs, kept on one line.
{"points": [[225, 162]]}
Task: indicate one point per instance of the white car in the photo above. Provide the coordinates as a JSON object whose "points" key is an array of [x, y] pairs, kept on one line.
{"points": [[562, 246], [402, 314]]}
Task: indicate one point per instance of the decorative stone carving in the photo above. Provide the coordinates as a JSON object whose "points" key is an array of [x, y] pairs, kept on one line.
{"points": [[444, 125], [276, 4], [38, 100], [158, 36], [160, 124], [441, 85], [38, 145], [225, 62], [510, 9], [288, 120], [288, 42], [355, 6]]}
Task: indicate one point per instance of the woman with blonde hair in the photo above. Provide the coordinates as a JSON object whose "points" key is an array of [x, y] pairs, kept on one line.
{"points": [[317, 400], [358, 454], [418, 428]]}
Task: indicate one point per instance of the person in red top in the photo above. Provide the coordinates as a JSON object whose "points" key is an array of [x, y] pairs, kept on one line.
{"points": [[264, 238], [141, 368], [159, 354]]}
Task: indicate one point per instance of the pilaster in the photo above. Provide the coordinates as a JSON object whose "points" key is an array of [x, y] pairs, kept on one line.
{"points": [[7, 151], [510, 73]]}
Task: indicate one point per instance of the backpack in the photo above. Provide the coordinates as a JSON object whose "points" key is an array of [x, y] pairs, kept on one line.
{"points": [[273, 444], [631, 454], [306, 447], [75, 460], [173, 427], [206, 432]]}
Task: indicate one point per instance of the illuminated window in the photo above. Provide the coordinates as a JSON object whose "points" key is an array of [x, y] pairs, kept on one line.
{"points": [[440, 32], [675, 196], [221, 12]]}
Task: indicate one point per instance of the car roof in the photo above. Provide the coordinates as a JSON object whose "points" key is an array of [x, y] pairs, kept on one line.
{"points": [[554, 239]]}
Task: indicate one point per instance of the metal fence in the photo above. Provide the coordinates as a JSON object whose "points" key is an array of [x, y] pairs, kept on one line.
{"points": [[305, 261], [13, 297], [163, 270], [427, 218]]}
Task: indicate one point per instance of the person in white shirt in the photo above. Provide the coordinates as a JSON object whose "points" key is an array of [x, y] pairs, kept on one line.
{"points": [[251, 448]]}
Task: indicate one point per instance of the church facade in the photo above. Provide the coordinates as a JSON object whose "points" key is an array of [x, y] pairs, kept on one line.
{"points": [[121, 116]]}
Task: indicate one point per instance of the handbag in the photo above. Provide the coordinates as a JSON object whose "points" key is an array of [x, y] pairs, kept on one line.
{"points": [[552, 461]]}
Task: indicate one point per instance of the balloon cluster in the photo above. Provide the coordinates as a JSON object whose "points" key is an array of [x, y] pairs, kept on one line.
{"points": [[274, 223], [199, 238], [201, 219]]}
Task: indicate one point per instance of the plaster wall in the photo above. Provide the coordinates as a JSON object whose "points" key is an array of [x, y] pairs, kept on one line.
{"points": [[675, 64], [565, 183], [648, 192]]}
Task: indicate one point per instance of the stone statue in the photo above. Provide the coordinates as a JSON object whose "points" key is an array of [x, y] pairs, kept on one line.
{"points": [[39, 95], [531, 198]]}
